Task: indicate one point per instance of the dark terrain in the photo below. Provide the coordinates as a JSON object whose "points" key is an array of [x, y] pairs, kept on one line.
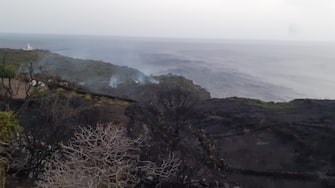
{"points": [[284, 141], [231, 141]]}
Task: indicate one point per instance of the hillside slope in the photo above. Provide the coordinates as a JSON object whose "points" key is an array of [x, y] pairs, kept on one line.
{"points": [[246, 141]]}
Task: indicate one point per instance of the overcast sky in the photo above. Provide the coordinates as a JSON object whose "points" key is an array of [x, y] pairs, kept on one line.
{"points": [[244, 19]]}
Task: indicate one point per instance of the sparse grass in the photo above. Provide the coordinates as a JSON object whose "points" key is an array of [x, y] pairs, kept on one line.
{"points": [[39, 91], [88, 97], [16, 58], [237, 99], [107, 101], [59, 90], [263, 104], [273, 105], [103, 99]]}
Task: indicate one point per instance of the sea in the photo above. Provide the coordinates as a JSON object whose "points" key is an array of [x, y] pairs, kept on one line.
{"points": [[261, 69]]}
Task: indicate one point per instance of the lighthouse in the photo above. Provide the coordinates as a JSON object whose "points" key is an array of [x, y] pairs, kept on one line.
{"points": [[28, 48]]}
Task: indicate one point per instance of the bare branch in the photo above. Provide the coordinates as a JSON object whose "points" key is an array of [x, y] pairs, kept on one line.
{"points": [[104, 156]]}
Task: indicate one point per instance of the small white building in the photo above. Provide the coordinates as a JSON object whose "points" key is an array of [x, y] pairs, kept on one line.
{"points": [[28, 48], [37, 83]]}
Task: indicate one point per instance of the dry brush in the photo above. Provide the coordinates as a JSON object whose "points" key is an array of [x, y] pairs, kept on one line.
{"points": [[105, 157]]}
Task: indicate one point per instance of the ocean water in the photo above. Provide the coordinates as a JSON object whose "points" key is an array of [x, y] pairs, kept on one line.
{"points": [[267, 70]]}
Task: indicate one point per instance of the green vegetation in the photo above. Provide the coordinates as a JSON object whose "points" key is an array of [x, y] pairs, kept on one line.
{"points": [[16, 58], [9, 126], [40, 91], [7, 71]]}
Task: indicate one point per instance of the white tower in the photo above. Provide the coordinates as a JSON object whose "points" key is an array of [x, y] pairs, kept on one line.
{"points": [[28, 48]]}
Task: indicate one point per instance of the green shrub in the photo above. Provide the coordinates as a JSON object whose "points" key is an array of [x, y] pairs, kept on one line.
{"points": [[7, 71], [9, 126]]}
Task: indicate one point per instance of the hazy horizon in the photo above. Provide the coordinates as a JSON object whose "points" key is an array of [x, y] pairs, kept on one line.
{"points": [[170, 38], [292, 20], [272, 71]]}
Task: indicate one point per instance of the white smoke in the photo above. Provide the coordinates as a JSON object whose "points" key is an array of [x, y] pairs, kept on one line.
{"points": [[152, 80], [114, 82], [138, 79]]}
